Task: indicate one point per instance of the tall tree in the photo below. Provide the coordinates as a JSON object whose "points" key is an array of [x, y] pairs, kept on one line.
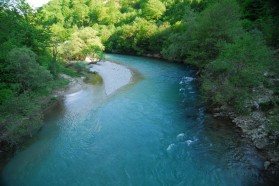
{"points": [[153, 9]]}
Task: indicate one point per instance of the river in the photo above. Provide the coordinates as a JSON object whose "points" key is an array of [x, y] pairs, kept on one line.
{"points": [[152, 132]]}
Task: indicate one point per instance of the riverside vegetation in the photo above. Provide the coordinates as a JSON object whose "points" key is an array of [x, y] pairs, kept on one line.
{"points": [[233, 43]]}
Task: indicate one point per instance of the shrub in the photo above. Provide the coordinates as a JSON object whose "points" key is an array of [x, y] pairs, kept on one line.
{"points": [[25, 70], [240, 67], [82, 43], [20, 117]]}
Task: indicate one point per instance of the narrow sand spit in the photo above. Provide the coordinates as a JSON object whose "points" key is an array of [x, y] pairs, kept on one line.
{"points": [[75, 85], [114, 75]]}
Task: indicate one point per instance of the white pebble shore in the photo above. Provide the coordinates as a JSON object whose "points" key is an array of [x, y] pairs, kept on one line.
{"points": [[114, 75]]}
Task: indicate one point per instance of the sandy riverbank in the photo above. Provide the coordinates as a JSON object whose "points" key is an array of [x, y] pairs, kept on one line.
{"points": [[114, 75]]}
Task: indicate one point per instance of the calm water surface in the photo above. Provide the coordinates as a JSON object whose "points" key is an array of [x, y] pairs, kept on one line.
{"points": [[151, 132]]}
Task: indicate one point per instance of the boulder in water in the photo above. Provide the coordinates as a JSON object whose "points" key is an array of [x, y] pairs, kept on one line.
{"points": [[180, 137], [170, 147]]}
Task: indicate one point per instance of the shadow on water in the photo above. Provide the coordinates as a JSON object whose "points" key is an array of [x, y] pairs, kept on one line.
{"points": [[232, 151], [236, 152]]}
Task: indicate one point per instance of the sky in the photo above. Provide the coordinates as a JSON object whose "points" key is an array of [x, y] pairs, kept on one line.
{"points": [[37, 3]]}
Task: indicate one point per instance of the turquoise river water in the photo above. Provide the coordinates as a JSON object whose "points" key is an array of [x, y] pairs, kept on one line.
{"points": [[152, 132]]}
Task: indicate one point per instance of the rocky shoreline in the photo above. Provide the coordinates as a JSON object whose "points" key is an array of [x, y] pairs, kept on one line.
{"points": [[255, 127]]}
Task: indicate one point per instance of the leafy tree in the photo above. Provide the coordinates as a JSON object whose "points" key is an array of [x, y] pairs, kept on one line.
{"points": [[176, 10], [210, 34], [82, 43], [25, 70], [200, 37], [153, 9], [143, 32], [17, 30], [264, 16], [6, 92], [104, 31], [132, 39], [20, 117], [178, 44], [121, 41], [158, 39], [80, 12], [129, 6], [239, 68]]}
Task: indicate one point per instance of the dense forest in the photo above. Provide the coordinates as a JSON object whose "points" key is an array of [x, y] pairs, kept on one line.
{"points": [[233, 43]]}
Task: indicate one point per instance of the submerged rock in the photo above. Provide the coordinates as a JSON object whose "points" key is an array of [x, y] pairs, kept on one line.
{"points": [[266, 165], [170, 147], [189, 142], [180, 137]]}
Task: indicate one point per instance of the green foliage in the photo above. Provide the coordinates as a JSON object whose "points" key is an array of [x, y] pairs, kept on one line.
{"points": [[121, 40], [263, 16], [153, 9], [143, 32], [158, 39], [104, 32], [80, 13], [210, 34], [239, 68], [179, 43], [22, 32], [82, 43], [25, 70], [5, 92], [69, 72], [175, 10], [200, 37], [80, 67], [132, 39], [23, 78], [105, 14], [20, 117]]}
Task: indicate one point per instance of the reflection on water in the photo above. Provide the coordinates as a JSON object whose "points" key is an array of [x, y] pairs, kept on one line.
{"points": [[155, 132]]}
